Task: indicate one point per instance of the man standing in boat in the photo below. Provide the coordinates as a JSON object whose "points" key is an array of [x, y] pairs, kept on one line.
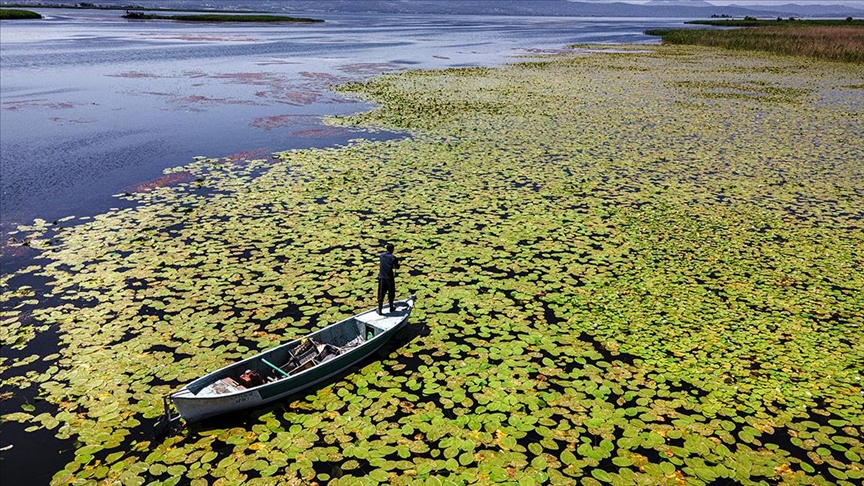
{"points": [[386, 279]]}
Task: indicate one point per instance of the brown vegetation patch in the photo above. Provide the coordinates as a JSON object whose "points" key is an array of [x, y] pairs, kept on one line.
{"points": [[300, 98], [322, 77], [166, 180], [274, 87], [214, 101], [824, 42], [51, 105], [279, 89], [254, 79], [268, 123], [835, 43]]}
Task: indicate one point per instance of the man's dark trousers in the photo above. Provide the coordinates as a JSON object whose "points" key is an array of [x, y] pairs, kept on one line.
{"points": [[385, 285]]}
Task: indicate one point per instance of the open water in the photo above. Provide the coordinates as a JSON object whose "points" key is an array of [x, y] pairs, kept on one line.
{"points": [[93, 105]]}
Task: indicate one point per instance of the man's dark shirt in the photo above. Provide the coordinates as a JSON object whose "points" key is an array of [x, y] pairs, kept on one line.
{"points": [[388, 263]]}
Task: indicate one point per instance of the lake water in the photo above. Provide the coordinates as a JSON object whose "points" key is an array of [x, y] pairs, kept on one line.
{"points": [[92, 104]]}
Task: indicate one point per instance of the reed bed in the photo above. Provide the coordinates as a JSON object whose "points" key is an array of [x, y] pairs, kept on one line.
{"points": [[836, 43]]}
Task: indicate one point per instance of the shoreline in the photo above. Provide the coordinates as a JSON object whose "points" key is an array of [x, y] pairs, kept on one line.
{"points": [[80, 6]]}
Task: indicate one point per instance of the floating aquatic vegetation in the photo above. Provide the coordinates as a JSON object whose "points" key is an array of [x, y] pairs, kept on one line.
{"points": [[134, 75], [317, 133], [275, 88], [50, 105], [624, 275], [207, 100], [268, 123], [247, 156], [370, 67], [166, 180]]}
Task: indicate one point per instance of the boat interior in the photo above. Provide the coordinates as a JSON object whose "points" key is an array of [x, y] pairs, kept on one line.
{"points": [[293, 358]]}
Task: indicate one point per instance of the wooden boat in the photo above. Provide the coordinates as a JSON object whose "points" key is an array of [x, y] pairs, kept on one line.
{"points": [[288, 368]]}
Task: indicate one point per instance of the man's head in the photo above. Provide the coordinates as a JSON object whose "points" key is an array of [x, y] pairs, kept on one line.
{"points": [[389, 247]]}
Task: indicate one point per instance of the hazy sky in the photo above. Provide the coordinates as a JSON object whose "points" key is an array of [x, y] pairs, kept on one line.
{"points": [[746, 3]]}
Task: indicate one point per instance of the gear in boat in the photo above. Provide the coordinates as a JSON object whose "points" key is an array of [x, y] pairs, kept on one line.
{"points": [[306, 354]]}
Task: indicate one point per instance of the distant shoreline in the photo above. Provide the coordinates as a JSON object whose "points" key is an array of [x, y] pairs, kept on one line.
{"points": [[136, 12], [553, 8], [91, 6]]}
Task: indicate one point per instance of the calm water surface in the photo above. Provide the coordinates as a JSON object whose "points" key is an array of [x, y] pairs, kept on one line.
{"points": [[92, 105]]}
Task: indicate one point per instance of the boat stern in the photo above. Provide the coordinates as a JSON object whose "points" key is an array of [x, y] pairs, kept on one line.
{"points": [[194, 408]]}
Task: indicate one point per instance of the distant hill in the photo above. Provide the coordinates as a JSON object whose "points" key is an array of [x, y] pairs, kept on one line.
{"points": [[795, 10], [680, 3]]}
